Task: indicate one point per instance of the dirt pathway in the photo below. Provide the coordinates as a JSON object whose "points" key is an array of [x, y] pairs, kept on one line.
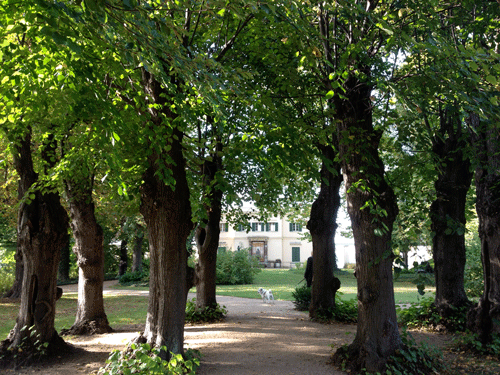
{"points": [[256, 338]]}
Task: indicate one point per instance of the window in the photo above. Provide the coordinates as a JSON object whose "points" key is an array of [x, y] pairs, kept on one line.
{"points": [[295, 227], [240, 228], [263, 227], [295, 254], [224, 227], [271, 227], [255, 227]]}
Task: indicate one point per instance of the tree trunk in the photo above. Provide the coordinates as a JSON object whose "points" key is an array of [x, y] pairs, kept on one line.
{"points": [[137, 254], [122, 268], [322, 226], [447, 213], [64, 264], [88, 234], [42, 232], [208, 233], [484, 319], [166, 208], [372, 208]]}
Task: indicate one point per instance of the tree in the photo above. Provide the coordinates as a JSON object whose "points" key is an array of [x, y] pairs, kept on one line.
{"points": [[448, 212], [90, 315], [485, 317], [348, 69], [42, 221], [322, 226], [208, 230], [42, 232]]}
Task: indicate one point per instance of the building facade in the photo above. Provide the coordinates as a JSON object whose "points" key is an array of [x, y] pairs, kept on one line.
{"points": [[277, 243]]}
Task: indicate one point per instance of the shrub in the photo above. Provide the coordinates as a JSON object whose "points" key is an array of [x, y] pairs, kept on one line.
{"points": [[345, 311], [236, 267], [134, 277], [144, 360], [470, 342], [6, 278], [409, 359], [302, 297], [414, 359], [425, 314], [208, 315]]}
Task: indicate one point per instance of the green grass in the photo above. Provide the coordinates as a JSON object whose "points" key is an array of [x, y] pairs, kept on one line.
{"points": [[124, 310], [121, 310], [284, 281]]}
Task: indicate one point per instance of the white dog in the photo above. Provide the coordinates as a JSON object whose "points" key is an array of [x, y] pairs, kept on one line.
{"points": [[267, 295]]}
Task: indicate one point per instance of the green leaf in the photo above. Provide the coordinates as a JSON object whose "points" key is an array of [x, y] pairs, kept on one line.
{"points": [[491, 79], [473, 65], [329, 94]]}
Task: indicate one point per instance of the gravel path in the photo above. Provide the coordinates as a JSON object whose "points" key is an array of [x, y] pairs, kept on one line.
{"points": [[256, 338]]}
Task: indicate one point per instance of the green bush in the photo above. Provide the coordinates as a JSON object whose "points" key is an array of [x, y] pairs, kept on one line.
{"points": [[302, 298], [134, 277], [345, 311], [144, 360], [470, 342], [236, 267], [425, 314], [6, 278], [410, 358], [208, 315], [414, 359]]}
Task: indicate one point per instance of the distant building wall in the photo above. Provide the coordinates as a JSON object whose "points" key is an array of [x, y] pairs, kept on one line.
{"points": [[278, 239]]}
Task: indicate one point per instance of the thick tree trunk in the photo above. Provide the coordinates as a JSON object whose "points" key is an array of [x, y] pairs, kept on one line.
{"points": [[484, 319], [208, 233], [447, 213], [322, 226], [42, 232], [372, 208], [166, 208], [137, 254], [122, 267], [88, 234]]}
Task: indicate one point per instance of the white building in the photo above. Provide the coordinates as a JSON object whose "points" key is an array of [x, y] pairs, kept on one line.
{"points": [[277, 243]]}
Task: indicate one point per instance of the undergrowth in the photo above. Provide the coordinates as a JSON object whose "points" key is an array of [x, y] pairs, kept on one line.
{"points": [[344, 311], [409, 359], [208, 315], [141, 359], [425, 314]]}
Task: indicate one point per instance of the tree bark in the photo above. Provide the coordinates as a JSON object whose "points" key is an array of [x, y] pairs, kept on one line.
{"points": [[322, 226], [166, 208], [447, 213], [484, 319], [208, 232], [42, 232], [372, 208], [90, 315], [122, 267], [137, 254]]}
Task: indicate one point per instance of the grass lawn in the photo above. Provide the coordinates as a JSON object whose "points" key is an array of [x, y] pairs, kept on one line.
{"points": [[123, 310], [284, 281]]}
